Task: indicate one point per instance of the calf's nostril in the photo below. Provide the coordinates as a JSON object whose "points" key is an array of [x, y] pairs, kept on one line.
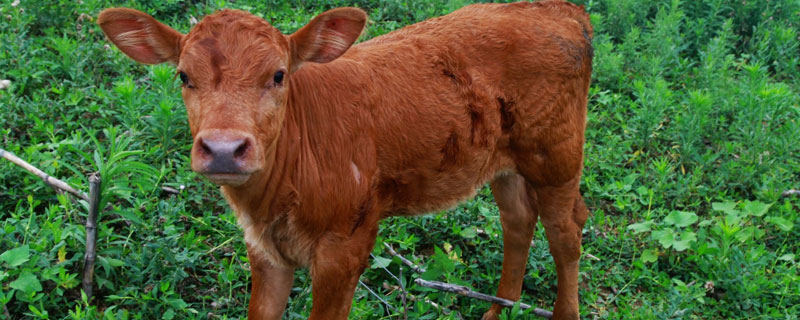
{"points": [[241, 150], [205, 148]]}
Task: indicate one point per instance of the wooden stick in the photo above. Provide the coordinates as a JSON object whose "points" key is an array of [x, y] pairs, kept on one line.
{"points": [[791, 192], [47, 178], [170, 190], [464, 291], [91, 234], [407, 262]]}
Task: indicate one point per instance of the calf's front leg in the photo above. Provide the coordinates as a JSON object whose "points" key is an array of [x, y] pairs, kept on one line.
{"points": [[271, 287], [337, 265]]}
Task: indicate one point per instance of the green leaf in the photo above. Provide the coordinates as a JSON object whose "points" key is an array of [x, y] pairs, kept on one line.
{"points": [[705, 223], [42, 314], [681, 218], [745, 234], [781, 223], [787, 257], [16, 256], [27, 283], [115, 262], [756, 208], [649, 255], [726, 207], [687, 237], [470, 232], [170, 314], [666, 237], [440, 264], [177, 303], [380, 262], [641, 227]]}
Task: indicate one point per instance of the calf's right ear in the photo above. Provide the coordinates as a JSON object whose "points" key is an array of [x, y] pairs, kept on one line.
{"points": [[140, 36]]}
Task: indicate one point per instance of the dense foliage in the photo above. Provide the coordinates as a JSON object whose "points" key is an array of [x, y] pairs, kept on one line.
{"points": [[693, 134]]}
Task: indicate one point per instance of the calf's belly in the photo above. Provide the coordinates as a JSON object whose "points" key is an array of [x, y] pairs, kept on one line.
{"points": [[422, 190]]}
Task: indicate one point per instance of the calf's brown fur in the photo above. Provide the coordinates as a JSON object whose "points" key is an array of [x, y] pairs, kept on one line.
{"points": [[314, 141]]}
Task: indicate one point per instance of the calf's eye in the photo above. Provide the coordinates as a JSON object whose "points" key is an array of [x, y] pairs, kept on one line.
{"points": [[278, 78], [184, 79]]}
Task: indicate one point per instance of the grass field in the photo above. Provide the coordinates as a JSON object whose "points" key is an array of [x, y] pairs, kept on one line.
{"points": [[693, 134]]}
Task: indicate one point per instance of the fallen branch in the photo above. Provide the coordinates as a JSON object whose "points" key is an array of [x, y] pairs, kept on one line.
{"points": [[589, 255], [405, 261], [170, 190], [53, 182], [91, 234], [464, 291], [791, 192]]}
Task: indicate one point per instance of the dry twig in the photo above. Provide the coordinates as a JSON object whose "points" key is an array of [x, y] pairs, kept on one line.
{"points": [[170, 190], [53, 182], [407, 262], [464, 291], [791, 192]]}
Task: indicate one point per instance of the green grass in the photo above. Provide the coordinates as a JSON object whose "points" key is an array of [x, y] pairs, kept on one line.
{"points": [[693, 134]]}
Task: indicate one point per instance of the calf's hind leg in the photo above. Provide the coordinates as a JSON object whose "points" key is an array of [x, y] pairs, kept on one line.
{"points": [[518, 218], [563, 214]]}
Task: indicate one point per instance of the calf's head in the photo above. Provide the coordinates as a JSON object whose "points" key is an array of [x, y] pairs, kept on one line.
{"points": [[236, 71]]}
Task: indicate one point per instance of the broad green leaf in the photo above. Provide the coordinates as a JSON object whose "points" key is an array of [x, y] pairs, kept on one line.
{"points": [[727, 207], [380, 262], [16, 256], [681, 218], [470, 232], [27, 283], [666, 237], [745, 234], [787, 257], [756, 208], [177, 303], [781, 223], [687, 237], [440, 264], [641, 226], [733, 219], [649, 255], [170, 314]]}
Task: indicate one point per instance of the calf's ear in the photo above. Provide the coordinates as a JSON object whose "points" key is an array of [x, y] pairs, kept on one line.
{"points": [[327, 36], [140, 36]]}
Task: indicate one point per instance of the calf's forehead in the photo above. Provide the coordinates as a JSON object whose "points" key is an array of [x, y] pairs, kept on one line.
{"points": [[235, 38]]}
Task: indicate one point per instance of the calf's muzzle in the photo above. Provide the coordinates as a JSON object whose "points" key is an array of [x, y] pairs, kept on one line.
{"points": [[226, 157]]}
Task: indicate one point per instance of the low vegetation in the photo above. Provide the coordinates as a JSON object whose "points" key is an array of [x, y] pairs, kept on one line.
{"points": [[694, 117]]}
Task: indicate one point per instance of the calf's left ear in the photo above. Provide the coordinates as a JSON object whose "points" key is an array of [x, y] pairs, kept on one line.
{"points": [[327, 36]]}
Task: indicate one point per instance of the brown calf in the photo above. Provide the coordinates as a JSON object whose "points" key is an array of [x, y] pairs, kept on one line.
{"points": [[314, 141]]}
